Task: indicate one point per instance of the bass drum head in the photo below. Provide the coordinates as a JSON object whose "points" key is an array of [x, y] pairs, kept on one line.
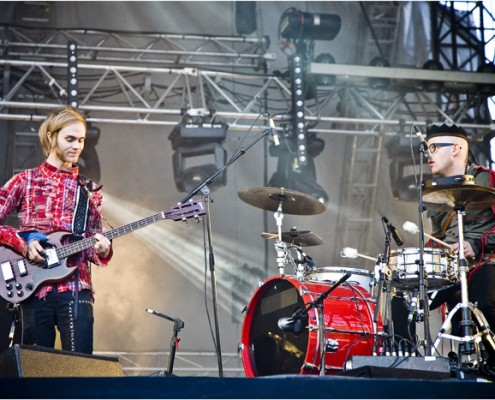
{"points": [[268, 352]]}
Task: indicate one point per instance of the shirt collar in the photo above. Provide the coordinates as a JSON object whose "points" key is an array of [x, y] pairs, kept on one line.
{"points": [[51, 170]]}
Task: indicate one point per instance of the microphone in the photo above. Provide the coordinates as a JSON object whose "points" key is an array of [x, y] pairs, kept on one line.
{"points": [[423, 142], [395, 234], [412, 306], [295, 324], [273, 132], [305, 258]]}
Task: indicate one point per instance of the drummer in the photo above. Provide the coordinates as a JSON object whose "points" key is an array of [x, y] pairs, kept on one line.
{"points": [[449, 148]]}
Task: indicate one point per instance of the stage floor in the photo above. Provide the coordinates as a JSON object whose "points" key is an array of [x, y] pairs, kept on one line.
{"points": [[380, 385]]}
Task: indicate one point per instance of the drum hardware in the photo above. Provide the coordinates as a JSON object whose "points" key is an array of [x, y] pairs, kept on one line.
{"points": [[174, 342], [317, 304], [383, 278], [281, 200], [461, 196], [295, 240]]}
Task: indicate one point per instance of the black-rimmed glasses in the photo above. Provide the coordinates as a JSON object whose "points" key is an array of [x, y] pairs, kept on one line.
{"points": [[433, 147]]}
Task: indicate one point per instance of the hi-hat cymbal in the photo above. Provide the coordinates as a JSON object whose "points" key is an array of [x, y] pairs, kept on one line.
{"points": [[269, 198], [467, 196], [299, 238]]}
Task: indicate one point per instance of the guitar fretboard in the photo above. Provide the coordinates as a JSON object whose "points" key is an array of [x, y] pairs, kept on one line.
{"points": [[182, 212]]}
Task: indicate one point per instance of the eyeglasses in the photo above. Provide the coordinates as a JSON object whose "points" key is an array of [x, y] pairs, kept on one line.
{"points": [[433, 147]]}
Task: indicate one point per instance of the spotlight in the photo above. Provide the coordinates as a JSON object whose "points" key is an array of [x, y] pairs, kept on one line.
{"points": [[379, 83], [198, 145], [295, 24], [433, 65], [487, 68], [325, 80]]}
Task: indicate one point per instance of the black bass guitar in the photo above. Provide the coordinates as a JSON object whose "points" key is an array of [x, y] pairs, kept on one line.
{"points": [[21, 277]]}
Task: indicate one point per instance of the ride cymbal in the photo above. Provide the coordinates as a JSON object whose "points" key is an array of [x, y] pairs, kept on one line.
{"points": [[467, 196], [293, 202], [298, 238]]}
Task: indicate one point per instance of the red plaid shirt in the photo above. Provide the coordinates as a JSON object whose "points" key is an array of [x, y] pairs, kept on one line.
{"points": [[45, 198]]}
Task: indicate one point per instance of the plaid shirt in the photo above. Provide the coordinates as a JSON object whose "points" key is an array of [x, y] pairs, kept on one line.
{"points": [[45, 198]]}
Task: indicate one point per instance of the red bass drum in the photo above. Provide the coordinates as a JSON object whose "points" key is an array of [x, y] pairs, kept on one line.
{"points": [[348, 316]]}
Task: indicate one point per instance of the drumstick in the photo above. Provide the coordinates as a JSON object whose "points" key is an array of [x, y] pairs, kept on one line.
{"points": [[412, 228], [449, 246], [349, 252]]}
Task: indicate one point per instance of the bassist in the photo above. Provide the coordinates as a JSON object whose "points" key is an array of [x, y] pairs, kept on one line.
{"points": [[46, 199]]}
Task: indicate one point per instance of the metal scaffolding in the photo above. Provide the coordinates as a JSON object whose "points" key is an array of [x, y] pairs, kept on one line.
{"points": [[157, 79]]}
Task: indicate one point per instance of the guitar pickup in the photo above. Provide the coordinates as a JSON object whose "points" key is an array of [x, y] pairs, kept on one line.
{"points": [[8, 274], [21, 267], [51, 258]]}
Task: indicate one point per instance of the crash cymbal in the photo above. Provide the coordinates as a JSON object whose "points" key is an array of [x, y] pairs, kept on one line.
{"points": [[467, 195], [269, 198], [299, 238]]}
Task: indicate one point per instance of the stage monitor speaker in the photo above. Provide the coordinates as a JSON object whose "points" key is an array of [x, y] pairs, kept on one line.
{"points": [[433, 364], [36, 361]]}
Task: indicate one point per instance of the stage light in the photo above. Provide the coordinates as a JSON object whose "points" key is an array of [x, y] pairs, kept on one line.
{"points": [[433, 65], [321, 79], [72, 77], [291, 175], [379, 83], [487, 68], [295, 24], [198, 153]]}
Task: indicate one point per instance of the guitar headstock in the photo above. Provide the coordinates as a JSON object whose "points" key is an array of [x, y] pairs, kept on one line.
{"points": [[182, 212]]}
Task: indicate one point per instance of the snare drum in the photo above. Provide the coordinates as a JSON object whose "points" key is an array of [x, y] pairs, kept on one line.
{"points": [[440, 268], [266, 349], [358, 276]]}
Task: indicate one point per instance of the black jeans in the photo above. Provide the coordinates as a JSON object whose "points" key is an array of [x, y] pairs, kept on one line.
{"points": [[39, 318]]}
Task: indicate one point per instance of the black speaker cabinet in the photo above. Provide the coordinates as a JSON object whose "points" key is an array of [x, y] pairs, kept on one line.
{"points": [[36, 361]]}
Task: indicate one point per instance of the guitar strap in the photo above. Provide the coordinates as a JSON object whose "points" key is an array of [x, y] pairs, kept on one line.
{"points": [[79, 223], [80, 217]]}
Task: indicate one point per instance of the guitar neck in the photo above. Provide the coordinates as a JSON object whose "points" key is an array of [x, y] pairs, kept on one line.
{"points": [[86, 243]]}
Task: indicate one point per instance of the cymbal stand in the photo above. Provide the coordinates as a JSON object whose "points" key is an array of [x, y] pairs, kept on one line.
{"points": [[280, 246], [467, 340], [423, 313]]}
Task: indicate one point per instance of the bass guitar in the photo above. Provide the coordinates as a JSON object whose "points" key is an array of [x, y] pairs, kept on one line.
{"points": [[22, 277]]}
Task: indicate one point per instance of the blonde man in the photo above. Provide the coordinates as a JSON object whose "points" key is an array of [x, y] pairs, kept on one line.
{"points": [[46, 200]]}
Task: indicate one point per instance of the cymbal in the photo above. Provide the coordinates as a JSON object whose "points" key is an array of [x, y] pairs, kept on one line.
{"points": [[449, 196], [293, 202], [299, 238]]}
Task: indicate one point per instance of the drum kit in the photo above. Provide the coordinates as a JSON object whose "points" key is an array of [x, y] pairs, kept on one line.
{"points": [[312, 320]]}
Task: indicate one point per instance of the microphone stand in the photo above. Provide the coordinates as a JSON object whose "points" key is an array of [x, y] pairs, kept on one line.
{"points": [[423, 304], [318, 304], [174, 342], [384, 274], [205, 191]]}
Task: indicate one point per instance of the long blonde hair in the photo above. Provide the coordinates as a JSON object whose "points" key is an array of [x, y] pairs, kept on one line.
{"points": [[54, 123]]}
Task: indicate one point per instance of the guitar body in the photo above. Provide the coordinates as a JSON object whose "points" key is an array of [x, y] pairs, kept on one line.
{"points": [[20, 277]]}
